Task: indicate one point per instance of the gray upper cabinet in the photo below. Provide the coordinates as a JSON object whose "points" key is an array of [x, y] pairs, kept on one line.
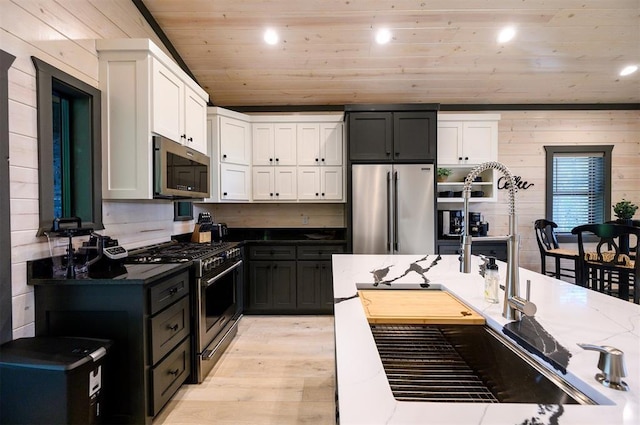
{"points": [[406, 136]]}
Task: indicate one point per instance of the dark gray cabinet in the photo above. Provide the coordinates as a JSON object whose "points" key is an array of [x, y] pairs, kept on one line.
{"points": [[392, 136], [146, 314], [290, 278]]}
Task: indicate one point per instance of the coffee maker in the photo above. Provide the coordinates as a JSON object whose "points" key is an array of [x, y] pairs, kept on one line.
{"points": [[450, 223], [477, 225]]}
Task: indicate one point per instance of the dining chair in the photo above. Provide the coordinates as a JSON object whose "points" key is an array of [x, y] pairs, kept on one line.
{"points": [[605, 267], [549, 247]]}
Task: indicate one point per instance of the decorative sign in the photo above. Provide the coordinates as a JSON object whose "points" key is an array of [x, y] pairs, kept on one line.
{"points": [[503, 183]]}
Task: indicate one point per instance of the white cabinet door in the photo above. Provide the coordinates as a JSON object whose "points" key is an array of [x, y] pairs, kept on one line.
{"points": [[167, 101], [263, 183], [284, 144], [320, 184], [331, 183], [331, 144], [308, 144], [286, 187], [235, 141], [235, 182], [195, 121], [479, 144], [263, 135], [449, 142]]}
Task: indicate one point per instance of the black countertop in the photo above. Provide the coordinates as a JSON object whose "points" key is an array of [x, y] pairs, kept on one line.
{"points": [[39, 273]]}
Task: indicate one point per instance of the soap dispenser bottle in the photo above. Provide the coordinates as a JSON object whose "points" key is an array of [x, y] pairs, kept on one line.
{"points": [[491, 281]]}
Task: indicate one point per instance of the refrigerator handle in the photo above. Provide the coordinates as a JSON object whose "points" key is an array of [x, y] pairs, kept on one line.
{"points": [[395, 211], [388, 211]]}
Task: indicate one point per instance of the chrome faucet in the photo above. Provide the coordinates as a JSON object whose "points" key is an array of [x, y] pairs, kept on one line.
{"points": [[514, 305]]}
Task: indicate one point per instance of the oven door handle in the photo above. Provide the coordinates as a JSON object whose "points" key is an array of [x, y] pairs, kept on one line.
{"points": [[211, 281]]}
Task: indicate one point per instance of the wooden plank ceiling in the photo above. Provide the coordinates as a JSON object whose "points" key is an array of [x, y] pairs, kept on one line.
{"points": [[442, 51]]}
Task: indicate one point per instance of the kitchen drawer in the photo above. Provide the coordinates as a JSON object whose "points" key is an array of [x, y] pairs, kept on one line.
{"points": [[168, 328], [272, 252], [318, 252], [169, 375], [167, 292]]}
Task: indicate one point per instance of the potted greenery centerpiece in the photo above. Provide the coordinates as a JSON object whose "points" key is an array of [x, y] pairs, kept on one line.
{"points": [[444, 173], [624, 210]]}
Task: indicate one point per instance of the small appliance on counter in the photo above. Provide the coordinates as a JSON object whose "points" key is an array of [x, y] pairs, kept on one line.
{"points": [[219, 232], [104, 256], [68, 227], [477, 225], [450, 223]]}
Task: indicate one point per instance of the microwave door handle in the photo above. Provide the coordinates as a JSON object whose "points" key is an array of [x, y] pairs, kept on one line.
{"points": [[388, 211], [395, 211]]}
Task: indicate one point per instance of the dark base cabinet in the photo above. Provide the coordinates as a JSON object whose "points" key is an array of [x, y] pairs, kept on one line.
{"points": [[290, 278], [147, 319], [478, 247]]}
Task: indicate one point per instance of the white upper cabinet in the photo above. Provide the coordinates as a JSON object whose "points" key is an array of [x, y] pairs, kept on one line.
{"points": [[234, 140], [467, 139], [275, 183], [144, 92], [274, 144], [320, 144], [321, 183]]}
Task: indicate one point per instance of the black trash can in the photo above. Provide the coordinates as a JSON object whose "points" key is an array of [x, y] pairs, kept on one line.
{"points": [[52, 380]]}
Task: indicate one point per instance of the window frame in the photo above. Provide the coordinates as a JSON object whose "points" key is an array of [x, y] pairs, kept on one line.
{"points": [[605, 150], [45, 76]]}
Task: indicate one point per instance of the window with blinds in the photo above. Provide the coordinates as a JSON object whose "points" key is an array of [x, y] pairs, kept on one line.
{"points": [[578, 185]]}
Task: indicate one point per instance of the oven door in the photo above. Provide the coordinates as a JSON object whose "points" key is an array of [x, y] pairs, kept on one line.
{"points": [[217, 304]]}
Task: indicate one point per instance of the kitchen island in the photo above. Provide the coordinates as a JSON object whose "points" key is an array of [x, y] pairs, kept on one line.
{"points": [[568, 315]]}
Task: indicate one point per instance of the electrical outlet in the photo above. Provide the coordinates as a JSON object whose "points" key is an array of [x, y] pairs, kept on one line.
{"points": [[305, 219]]}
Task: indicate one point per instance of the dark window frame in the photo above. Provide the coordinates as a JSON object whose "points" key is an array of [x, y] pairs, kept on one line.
{"points": [[48, 77], [6, 321], [178, 212], [606, 150]]}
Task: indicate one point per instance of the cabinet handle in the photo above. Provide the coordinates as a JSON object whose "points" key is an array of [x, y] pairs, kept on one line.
{"points": [[190, 139], [183, 136], [173, 291], [174, 372], [397, 153], [459, 158], [173, 328], [388, 153], [224, 194]]}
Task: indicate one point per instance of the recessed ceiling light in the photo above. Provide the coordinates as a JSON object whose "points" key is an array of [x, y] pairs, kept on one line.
{"points": [[270, 36], [506, 34], [628, 70], [383, 36]]}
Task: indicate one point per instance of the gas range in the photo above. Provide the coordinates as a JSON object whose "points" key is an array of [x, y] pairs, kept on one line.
{"points": [[205, 257]]}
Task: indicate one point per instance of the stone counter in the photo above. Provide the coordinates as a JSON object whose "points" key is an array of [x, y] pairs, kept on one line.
{"points": [[567, 313]]}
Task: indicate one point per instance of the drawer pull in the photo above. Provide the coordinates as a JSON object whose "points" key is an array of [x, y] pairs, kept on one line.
{"points": [[173, 291], [174, 372], [173, 328]]}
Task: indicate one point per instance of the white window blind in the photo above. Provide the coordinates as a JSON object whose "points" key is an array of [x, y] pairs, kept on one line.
{"points": [[578, 189]]}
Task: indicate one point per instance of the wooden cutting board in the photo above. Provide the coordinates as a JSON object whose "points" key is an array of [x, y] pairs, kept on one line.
{"points": [[408, 306]]}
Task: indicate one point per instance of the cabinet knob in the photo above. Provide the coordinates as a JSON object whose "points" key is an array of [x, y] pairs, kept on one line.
{"points": [[225, 193], [183, 136], [173, 328], [271, 194], [322, 193], [174, 372], [317, 194], [466, 158], [459, 158], [224, 155], [388, 153], [277, 159], [316, 159], [277, 194], [190, 139], [397, 153], [322, 159], [270, 159]]}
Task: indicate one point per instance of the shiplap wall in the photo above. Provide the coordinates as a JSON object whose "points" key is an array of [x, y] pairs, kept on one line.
{"points": [[62, 33]]}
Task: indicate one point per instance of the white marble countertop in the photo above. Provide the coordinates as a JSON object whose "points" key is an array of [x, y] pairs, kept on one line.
{"points": [[569, 313]]}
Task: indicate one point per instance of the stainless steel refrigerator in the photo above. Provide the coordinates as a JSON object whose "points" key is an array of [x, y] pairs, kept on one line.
{"points": [[393, 208]]}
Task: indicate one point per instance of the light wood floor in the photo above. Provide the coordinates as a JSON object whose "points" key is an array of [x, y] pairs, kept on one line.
{"points": [[278, 370]]}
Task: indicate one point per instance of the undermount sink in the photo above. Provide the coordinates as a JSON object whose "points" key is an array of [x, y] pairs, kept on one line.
{"points": [[465, 363]]}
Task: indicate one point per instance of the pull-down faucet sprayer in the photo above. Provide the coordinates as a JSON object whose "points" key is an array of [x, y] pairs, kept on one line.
{"points": [[512, 299]]}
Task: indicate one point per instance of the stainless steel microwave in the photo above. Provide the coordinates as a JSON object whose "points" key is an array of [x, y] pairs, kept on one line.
{"points": [[178, 171]]}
